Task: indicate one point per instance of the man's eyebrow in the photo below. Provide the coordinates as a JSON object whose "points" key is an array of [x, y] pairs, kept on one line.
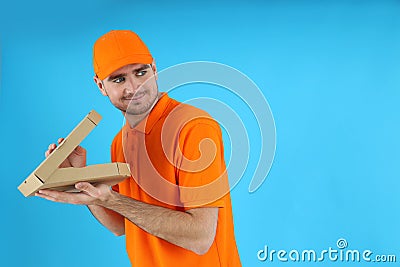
{"points": [[112, 77], [142, 68]]}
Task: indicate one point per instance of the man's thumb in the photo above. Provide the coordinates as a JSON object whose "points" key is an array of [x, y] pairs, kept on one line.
{"points": [[87, 188]]}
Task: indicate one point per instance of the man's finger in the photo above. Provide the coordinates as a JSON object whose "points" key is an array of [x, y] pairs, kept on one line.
{"points": [[87, 188], [52, 195], [63, 197], [45, 197]]}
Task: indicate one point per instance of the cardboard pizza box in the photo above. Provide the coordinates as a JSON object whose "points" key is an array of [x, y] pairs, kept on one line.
{"points": [[48, 175]]}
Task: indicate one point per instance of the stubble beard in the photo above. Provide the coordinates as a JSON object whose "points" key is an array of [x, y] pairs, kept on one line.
{"points": [[141, 109]]}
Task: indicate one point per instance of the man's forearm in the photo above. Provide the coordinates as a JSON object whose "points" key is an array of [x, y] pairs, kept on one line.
{"points": [[193, 230], [110, 219]]}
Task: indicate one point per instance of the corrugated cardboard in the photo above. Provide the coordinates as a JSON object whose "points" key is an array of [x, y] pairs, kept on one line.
{"points": [[48, 175]]}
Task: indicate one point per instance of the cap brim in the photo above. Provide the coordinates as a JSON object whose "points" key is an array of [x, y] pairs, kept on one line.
{"points": [[132, 59]]}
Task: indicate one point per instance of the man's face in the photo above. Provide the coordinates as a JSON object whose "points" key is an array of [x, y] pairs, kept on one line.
{"points": [[132, 88]]}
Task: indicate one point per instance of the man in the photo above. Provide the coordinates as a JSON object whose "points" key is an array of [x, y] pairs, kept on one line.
{"points": [[175, 210]]}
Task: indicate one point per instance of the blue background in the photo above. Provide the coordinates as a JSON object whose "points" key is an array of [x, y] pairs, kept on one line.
{"points": [[329, 70]]}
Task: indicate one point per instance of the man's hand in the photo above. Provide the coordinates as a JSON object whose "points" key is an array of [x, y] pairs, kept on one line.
{"points": [[76, 159], [94, 197], [89, 195]]}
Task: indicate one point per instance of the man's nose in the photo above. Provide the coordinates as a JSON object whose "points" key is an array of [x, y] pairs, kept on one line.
{"points": [[131, 85]]}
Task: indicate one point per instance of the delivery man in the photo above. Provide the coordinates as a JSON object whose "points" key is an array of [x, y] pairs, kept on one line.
{"points": [[175, 209]]}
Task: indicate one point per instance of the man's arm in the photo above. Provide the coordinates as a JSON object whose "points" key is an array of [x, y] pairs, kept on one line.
{"points": [[193, 230], [110, 219]]}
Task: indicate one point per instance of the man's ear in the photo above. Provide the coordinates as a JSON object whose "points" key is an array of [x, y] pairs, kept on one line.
{"points": [[100, 85], [154, 67]]}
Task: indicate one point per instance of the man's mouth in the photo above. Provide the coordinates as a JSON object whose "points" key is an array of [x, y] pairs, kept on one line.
{"points": [[134, 97], [138, 96]]}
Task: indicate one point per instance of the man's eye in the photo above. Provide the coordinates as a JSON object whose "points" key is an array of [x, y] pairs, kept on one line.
{"points": [[119, 80], [141, 73]]}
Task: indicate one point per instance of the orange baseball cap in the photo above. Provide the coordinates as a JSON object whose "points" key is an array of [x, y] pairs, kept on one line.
{"points": [[116, 49]]}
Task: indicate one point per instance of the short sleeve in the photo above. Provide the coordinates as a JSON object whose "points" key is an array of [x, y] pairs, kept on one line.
{"points": [[202, 175]]}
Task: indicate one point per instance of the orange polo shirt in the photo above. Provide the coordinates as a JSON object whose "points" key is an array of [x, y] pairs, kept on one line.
{"points": [[177, 161]]}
